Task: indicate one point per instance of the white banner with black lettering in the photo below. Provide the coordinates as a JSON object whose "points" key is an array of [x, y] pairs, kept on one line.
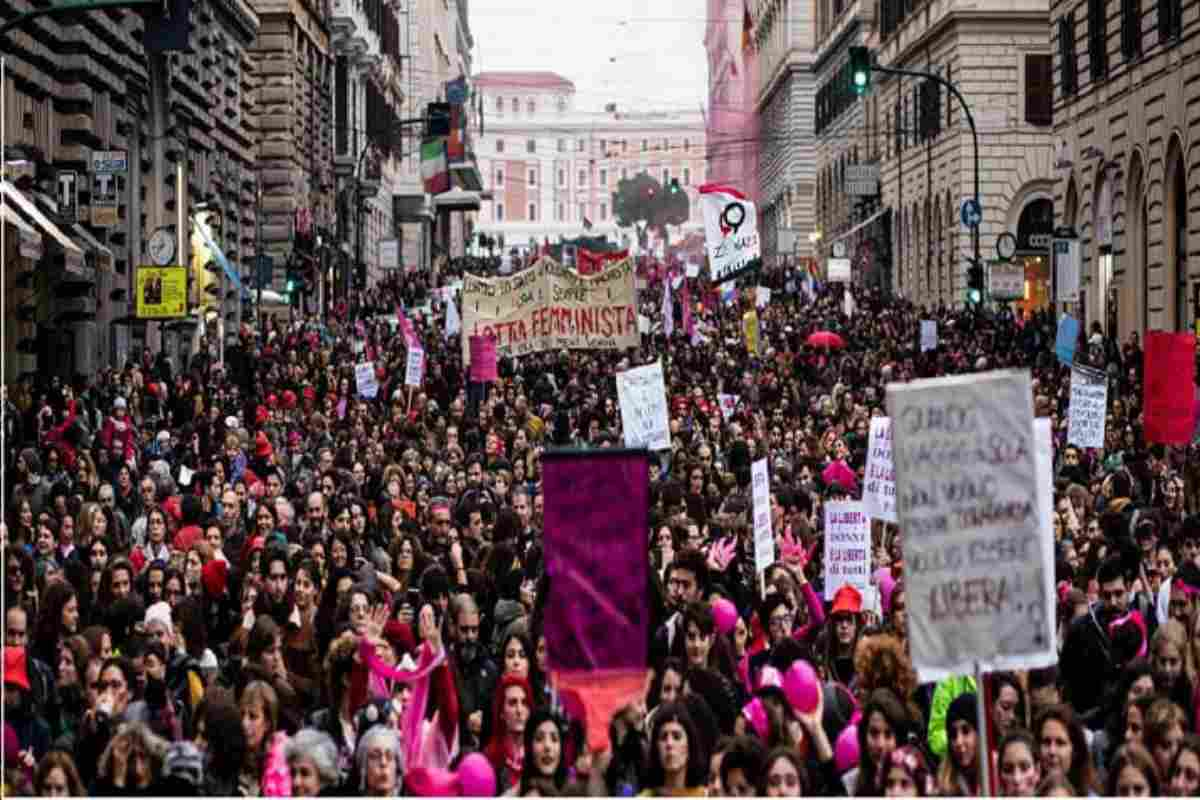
{"points": [[1087, 412], [642, 394]]}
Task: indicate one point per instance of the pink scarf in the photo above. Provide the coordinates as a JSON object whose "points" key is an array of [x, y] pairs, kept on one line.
{"points": [[414, 712]]}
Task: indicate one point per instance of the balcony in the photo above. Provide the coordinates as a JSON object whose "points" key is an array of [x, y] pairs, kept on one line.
{"points": [[350, 32]]}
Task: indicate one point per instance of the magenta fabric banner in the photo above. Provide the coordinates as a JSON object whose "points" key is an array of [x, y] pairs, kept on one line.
{"points": [[483, 359], [597, 609]]}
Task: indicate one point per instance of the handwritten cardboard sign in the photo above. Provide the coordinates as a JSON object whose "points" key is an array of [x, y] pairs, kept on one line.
{"points": [[1088, 409], [929, 335], [879, 484], [365, 381], [764, 542], [642, 395], [967, 500], [847, 547], [414, 371]]}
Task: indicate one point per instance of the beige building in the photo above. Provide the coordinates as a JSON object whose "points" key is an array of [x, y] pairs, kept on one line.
{"points": [[1124, 111], [551, 168], [997, 53], [783, 42]]}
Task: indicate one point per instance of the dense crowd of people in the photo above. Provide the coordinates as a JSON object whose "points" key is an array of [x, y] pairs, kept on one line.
{"points": [[242, 577]]}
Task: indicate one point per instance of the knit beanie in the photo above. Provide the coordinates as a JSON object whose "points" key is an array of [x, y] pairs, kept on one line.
{"points": [[963, 709]]}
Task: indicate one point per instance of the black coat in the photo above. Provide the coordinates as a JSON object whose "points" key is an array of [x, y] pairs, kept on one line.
{"points": [[1086, 666]]}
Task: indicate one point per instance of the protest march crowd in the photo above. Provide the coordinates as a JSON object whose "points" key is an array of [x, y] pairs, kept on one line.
{"points": [[279, 574]]}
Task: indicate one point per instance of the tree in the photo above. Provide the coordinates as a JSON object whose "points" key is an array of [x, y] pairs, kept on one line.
{"points": [[641, 202]]}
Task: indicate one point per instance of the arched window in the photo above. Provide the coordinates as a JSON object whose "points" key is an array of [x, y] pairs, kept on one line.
{"points": [[532, 107], [499, 105], [516, 105]]}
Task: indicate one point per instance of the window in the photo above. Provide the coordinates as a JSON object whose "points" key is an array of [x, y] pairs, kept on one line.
{"points": [[666, 144], [532, 107], [645, 145], [1131, 29], [603, 145], [499, 212], [562, 105], [582, 145], [562, 145], [516, 105], [583, 177], [558, 214], [687, 145], [533, 177], [666, 176], [533, 212], [499, 177], [581, 211], [562, 177], [624, 145], [1097, 39], [499, 105], [624, 173], [604, 177], [604, 211], [1170, 19], [499, 145], [1066, 54], [1039, 88], [687, 177], [531, 146]]}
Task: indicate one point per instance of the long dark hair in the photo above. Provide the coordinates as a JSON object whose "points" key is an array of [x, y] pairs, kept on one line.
{"points": [[49, 627], [535, 721], [697, 764]]}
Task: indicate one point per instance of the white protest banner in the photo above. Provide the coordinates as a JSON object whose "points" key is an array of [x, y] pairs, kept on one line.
{"points": [[1041, 613], [929, 336], [1088, 409], [879, 485], [764, 542], [762, 296], [967, 501], [549, 307], [642, 394], [847, 547], [730, 232], [415, 368], [365, 381], [728, 404]]}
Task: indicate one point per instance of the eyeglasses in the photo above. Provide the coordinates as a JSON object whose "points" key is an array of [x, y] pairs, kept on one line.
{"points": [[780, 620]]}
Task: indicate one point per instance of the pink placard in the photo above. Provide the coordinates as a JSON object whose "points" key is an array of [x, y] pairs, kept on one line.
{"points": [[1170, 370], [483, 359]]}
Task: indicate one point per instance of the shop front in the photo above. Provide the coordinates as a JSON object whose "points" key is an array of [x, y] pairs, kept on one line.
{"points": [[1035, 233]]}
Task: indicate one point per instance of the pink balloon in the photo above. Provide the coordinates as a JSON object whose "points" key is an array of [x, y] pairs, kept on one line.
{"points": [[476, 778], [802, 687], [769, 676], [725, 615], [845, 753]]}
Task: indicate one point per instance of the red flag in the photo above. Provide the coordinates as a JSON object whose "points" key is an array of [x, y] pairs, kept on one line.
{"points": [[1170, 370]]}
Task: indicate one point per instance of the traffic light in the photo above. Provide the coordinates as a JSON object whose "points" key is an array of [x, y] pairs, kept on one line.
{"points": [[975, 282], [674, 187], [168, 27], [860, 70]]}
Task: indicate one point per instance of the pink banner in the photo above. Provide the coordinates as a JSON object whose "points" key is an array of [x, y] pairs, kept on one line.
{"points": [[483, 359], [595, 549], [406, 326], [1170, 375]]}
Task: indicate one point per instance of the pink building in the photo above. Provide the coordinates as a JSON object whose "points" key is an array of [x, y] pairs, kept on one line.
{"points": [[732, 122]]}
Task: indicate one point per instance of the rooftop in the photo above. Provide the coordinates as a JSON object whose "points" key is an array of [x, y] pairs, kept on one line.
{"points": [[516, 79]]}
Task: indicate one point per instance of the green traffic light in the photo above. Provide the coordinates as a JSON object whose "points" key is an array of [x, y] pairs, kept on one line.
{"points": [[974, 296], [860, 70]]}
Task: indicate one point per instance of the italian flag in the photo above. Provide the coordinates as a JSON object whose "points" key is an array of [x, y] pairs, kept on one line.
{"points": [[434, 170]]}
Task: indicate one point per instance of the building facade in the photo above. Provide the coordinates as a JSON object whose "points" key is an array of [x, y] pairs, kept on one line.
{"points": [[997, 53], [783, 52], [551, 168], [1124, 110], [731, 123]]}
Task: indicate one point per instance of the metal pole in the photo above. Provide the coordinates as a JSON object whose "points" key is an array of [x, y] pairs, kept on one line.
{"points": [[258, 253], [970, 121]]}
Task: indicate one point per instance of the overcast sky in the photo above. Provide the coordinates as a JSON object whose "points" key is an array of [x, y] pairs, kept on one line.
{"points": [[634, 53]]}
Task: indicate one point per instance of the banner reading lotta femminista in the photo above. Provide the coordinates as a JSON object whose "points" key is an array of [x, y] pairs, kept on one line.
{"points": [[550, 307]]}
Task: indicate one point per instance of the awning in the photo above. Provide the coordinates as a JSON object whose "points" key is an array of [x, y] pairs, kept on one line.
{"points": [[858, 227], [411, 208], [31, 212], [30, 244], [458, 200]]}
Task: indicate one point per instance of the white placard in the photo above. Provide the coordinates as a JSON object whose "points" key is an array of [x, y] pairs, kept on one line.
{"points": [[1089, 405], [762, 296], [693, 270], [837, 270], [764, 542], [967, 497], [728, 404], [730, 233], [642, 394], [364, 378], [1043, 443], [929, 335], [847, 547], [414, 370], [879, 485], [643, 323]]}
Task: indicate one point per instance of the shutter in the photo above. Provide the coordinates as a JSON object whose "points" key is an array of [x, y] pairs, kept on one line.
{"points": [[1039, 89]]}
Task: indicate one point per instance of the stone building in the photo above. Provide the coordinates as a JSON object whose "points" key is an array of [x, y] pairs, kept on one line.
{"points": [[551, 167], [997, 53], [1125, 106], [783, 44]]}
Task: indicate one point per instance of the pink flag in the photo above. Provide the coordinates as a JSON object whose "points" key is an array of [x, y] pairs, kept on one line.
{"points": [[483, 359], [1170, 369], [406, 325]]}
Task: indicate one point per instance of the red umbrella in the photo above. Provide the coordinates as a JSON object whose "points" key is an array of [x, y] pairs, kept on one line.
{"points": [[826, 339]]}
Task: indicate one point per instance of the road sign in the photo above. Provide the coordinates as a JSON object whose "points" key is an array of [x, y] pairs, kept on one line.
{"points": [[970, 213], [107, 165], [862, 180], [68, 196]]}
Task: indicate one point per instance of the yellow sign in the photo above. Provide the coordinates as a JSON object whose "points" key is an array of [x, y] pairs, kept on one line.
{"points": [[161, 292]]}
